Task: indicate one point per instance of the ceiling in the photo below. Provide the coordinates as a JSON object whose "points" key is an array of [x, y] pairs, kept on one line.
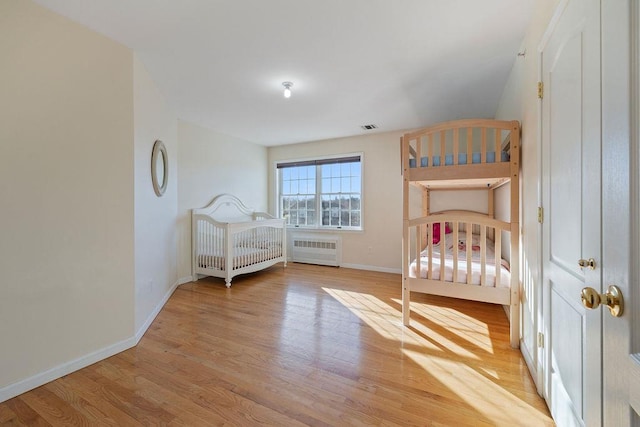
{"points": [[398, 64]]}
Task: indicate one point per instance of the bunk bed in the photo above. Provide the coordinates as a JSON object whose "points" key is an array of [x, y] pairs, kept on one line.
{"points": [[454, 253]]}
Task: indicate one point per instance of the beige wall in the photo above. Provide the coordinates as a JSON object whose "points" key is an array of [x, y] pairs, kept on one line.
{"points": [[155, 217], [519, 101], [66, 185], [210, 163], [378, 247], [474, 200]]}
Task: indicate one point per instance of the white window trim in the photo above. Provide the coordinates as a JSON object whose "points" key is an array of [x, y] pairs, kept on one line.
{"points": [[321, 228]]}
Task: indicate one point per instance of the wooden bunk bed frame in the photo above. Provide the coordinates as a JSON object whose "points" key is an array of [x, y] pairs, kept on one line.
{"points": [[463, 154]]}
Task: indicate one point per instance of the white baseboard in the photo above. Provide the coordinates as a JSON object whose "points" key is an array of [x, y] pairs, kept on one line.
{"points": [[372, 268], [15, 389], [528, 359], [185, 279], [155, 311]]}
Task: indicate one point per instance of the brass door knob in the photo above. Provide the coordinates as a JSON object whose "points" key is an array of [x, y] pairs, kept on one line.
{"points": [[584, 263], [612, 299]]}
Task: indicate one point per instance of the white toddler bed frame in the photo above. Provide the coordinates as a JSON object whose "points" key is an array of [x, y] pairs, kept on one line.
{"points": [[230, 239]]}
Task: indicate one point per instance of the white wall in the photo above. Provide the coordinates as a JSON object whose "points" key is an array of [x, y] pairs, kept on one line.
{"points": [[210, 163], [519, 101], [155, 217], [443, 200], [474, 200], [379, 246], [66, 185]]}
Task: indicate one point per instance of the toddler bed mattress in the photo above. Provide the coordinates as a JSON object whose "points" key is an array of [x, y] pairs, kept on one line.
{"points": [[476, 266], [242, 256]]}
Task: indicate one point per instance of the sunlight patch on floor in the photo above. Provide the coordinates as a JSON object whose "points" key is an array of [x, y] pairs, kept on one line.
{"points": [[454, 336], [467, 321], [455, 323], [457, 326], [498, 404], [381, 317], [444, 343], [375, 313], [450, 346]]}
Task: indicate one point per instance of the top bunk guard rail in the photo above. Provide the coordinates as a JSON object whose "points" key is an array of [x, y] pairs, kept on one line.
{"points": [[486, 151]]}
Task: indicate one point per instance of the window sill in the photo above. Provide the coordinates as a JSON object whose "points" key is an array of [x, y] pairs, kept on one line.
{"points": [[324, 230]]}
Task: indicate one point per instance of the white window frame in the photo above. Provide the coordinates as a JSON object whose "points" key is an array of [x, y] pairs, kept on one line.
{"points": [[318, 225]]}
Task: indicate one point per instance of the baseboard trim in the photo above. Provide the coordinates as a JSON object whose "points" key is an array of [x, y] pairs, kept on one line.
{"points": [[185, 279], [15, 389], [140, 333], [372, 268], [528, 359]]}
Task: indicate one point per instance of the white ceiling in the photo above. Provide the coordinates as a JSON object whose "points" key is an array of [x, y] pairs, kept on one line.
{"points": [[399, 64]]}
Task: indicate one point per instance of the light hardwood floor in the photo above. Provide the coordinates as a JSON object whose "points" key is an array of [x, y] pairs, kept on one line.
{"points": [[305, 345]]}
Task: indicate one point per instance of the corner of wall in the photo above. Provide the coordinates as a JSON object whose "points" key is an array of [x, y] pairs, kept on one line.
{"points": [[209, 164], [155, 216], [68, 150]]}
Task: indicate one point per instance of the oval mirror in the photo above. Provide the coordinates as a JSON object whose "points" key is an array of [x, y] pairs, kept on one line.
{"points": [[159, 168]]}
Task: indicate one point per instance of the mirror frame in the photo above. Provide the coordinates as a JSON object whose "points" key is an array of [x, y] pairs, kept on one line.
{"points": [[159, 149]]}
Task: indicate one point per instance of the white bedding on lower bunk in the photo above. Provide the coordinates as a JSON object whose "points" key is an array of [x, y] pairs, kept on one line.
{"points": [[476, 267]]}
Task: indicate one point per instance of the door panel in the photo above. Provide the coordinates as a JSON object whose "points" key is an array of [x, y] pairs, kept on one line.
{"points": [[572, 199], [564, 91], [567, 330]]}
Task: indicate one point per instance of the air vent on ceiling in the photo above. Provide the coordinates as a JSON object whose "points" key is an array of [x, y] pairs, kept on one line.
{"points": [[369, 127]]}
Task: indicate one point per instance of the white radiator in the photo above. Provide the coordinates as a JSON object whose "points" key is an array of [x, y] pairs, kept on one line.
{"points": [[316, 249]]}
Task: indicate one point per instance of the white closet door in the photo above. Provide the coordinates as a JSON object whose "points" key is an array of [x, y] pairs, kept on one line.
{"points": [[621, 208], [572, 223]]}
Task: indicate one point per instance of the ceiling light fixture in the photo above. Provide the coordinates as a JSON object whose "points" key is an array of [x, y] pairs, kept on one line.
{"points": [[287, 89]]}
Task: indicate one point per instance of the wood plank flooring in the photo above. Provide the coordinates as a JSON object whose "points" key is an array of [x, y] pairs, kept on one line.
{"points": [[305, 345]]}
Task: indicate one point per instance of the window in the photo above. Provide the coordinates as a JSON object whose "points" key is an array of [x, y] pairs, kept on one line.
{"points": [[323, 193]]}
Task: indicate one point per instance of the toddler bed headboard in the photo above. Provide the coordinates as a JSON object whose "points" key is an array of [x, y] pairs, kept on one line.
{"points": [[229, 239], [228, 208]]}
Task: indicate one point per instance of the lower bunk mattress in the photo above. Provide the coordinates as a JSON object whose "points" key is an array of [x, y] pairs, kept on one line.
{"points": [[476, 264]]}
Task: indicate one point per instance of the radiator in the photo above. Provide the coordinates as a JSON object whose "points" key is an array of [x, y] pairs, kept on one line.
{"points": [[316, 249]]}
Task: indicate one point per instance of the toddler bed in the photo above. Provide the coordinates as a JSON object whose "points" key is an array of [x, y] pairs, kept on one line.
{"points": [[229, 239]]}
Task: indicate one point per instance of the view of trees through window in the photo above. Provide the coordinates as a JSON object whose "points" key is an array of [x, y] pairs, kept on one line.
{"points": [[322, 193]]}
